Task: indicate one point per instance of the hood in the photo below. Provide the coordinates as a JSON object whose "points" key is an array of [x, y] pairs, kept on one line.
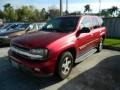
{"points": [[39, 39]]}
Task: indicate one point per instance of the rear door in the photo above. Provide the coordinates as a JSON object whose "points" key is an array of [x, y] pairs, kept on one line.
{"points": [[84, 39], [95, 31]]}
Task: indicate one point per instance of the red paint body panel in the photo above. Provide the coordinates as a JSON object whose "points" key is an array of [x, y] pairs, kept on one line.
{"points": [[45, 67], [56, 43]]}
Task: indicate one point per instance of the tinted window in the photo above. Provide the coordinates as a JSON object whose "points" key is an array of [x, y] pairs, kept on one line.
{"points": [[85, 22], [61, 24], [12, 26], [6, 26]]}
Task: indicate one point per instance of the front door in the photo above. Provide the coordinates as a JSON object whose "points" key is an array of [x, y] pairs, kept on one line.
{"points": [[84, 39]]}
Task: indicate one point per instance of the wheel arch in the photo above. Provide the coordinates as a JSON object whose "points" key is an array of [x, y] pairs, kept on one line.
{"points": [[72, 50]]}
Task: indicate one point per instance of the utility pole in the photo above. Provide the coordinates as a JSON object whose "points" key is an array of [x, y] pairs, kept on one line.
{"points": [[66, 7], [61, 8], [99, 6]]}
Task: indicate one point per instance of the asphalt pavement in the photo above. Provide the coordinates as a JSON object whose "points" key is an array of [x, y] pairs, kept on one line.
{"points": [[100, 71]]}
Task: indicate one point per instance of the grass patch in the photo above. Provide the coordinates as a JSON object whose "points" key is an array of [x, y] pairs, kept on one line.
{"points": [[112, 42]]}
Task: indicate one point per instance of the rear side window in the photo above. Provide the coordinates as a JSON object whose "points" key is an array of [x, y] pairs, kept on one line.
{"points": [[100, 20], [95, 23], [85, 22]]}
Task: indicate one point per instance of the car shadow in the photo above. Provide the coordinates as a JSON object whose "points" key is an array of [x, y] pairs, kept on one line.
{"points": [[13, 79], [104, 76]]}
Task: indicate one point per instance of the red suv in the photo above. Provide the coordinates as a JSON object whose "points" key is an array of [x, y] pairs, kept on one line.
{"points": [[62, 42]]}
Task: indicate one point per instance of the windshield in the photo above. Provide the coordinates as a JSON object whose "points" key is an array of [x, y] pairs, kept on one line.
{"points": [[9, 28], [12, 26], [6, 26], [61, 24]]}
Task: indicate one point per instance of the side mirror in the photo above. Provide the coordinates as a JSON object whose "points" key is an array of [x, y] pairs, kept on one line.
{"points": [[85, 30]]}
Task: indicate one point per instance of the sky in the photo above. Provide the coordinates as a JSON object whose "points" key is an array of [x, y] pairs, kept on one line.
{"points": [[73, 5]]}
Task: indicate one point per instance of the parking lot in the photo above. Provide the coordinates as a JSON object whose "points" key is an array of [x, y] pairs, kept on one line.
{"points": [[100, 71]]}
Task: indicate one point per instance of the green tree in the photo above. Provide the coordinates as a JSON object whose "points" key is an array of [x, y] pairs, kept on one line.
{"points": [[25, 13], [75, 13], [119, 14], [9, 13], [1, 14], [53, 12], [43, 14], [111, 12], [36, 15], [114, 11], [105, 13]]}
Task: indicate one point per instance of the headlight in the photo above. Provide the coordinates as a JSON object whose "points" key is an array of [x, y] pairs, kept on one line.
{"points": [[43, 53]]}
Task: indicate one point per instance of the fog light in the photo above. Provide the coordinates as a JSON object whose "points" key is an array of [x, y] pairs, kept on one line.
{"points": [[37, 69]]}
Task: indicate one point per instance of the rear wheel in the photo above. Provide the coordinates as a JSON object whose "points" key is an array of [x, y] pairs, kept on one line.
{"points": [[65, 65], [100, 46]]}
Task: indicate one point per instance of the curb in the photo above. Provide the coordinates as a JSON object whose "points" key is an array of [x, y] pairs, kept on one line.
{"points": [[111, 48]]}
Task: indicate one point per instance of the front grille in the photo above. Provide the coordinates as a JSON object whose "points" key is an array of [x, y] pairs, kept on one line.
{"points": [[20, 57], [22, 52], [24, 58], [21, 48]]}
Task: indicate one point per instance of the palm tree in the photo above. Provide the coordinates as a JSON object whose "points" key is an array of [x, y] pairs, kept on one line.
{"points": [[6, 6], [99, 5], [87, 8], [113, 10]]}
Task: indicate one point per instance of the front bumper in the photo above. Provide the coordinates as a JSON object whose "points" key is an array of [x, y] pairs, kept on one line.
{"points": [[37, 68]]}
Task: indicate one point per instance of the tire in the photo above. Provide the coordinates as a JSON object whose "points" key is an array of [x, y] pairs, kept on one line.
{"points": [[64, 66], [100, 46]]}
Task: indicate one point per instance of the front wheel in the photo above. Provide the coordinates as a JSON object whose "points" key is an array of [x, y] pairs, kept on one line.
{"points": [[65, 65]]}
